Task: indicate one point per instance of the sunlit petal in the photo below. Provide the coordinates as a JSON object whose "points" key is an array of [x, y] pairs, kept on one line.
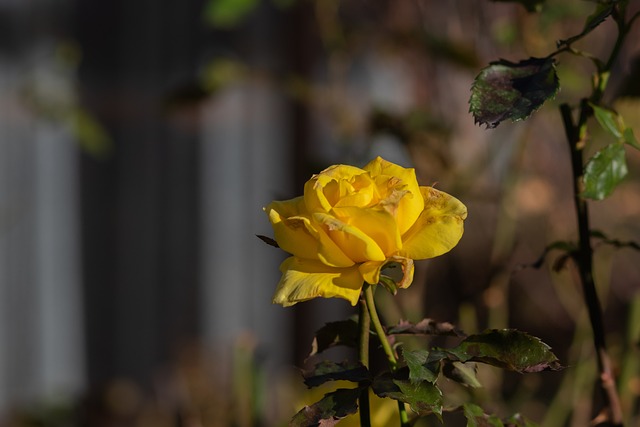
{"points": [[303, 280], [410, 205], [439, 227], [378, 224], [354, 243]]}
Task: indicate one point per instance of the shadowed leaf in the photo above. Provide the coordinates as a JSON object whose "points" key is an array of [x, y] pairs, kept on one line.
{"points": [[344, 332], [329, 410], [462, 373], [424, 397], [425, 327], [419, 368], [509, 349], [327, 370], [604, 171], [227, 13], [506, 90]]}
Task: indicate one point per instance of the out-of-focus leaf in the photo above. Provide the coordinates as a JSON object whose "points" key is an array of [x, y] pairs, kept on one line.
{"points": [[425, 327], [329, 410], [462, 373], [602, 12], [227, 13], [327, 370], [477, 418], [530, 5], [614, 124], [344, 332], [419, 368], [92, 137], [507, 90], [509, 349], [604, 171], [423, 397]]}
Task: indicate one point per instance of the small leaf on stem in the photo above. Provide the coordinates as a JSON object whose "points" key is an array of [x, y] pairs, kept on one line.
{"points": [[425, 327], [604, 171], [419, 368], [344, 332], [424, 397]]}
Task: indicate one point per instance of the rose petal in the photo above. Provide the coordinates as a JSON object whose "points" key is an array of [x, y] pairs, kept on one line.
{"points": [[303, 280], [297, 235], [439, 227], [370, 271], [378, 224], [354, 243], [411, 204], [323, 190]]}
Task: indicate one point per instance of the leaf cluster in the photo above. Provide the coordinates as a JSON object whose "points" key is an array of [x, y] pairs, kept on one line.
{"points": [[415, 381]]}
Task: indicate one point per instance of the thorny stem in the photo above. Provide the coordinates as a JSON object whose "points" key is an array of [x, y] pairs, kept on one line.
{"points": [[364, 322], [382, 336], [584, 260]]}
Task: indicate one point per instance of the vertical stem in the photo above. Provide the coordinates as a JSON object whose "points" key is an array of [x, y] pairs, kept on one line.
{"points": [[382, 336], [584, 260], [364, 322]]}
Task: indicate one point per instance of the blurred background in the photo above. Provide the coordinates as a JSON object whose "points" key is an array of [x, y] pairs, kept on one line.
{"points": [[140, 140]]}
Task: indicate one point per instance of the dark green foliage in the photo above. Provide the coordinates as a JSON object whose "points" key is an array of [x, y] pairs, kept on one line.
{"points": [[425, 327], [331, 371], [344, 332], [419, 369], [329, 410], [424, 397], [506, 90], [508, 349]]}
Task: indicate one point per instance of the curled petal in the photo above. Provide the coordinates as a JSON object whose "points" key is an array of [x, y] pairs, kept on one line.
{"points": [[325, 189], [410, 204], [438, 228], [297, 235], [303, 280], [354, 242]]}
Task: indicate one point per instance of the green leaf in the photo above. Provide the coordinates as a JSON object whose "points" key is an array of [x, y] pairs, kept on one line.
{"points": [[227, 13], [530, 5], [604, 171], [344, 332], [614, 124], [425, 327], [327, 370], [509, 349], [424, 397], [329, 410], [477, 418], [506, 90], [602, 12], [462, 373], [419, 368]]}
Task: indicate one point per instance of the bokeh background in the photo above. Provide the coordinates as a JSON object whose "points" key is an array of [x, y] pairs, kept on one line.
{"points": [[140, 140]]}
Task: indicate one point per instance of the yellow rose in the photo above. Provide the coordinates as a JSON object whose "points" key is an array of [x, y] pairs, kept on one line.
{"points": [[350, 222]]}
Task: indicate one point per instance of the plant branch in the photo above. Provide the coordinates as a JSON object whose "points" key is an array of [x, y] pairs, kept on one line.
{"points": [[584, 260], [364, 322], [382, 336]]}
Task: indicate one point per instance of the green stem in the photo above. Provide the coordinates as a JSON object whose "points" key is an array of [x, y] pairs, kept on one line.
{"points": [[584, 261], [388, 351], [364, 322]]}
